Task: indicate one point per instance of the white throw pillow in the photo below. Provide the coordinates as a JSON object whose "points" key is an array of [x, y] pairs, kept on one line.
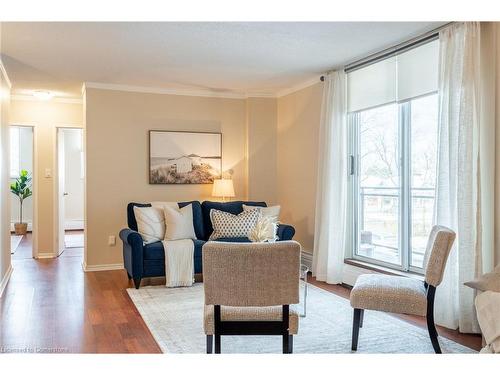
{"points": [[264, 231], [179, 223], [270, 226], [227, 225], [150, 223], [272, 212], [161, 205]]}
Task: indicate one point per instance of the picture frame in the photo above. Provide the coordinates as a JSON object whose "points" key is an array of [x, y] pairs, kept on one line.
{"points": [[184, 157]]}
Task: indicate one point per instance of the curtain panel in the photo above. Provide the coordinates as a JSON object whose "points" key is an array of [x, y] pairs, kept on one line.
{"points": [[330, 234], [458, 197]]}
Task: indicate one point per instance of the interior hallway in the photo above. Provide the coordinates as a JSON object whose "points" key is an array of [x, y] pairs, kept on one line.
{"points": [[24, 249]]}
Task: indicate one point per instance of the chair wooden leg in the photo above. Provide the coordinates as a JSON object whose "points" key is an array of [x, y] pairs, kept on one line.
{"points": [[361, 316], [433, 334], [355, 329], [286, 343], [431, 327], [217, 344], [210, 341], [137, 283]]}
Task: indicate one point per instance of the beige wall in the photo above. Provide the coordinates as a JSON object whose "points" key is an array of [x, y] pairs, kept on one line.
{"points": [[45, 117], [117, 125], [497, 140], [262, 149], [4, 177], [297, 145]]}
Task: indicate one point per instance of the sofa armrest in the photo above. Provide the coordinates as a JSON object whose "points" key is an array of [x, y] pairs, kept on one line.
{"points": [[285, 232], [132, 252]]}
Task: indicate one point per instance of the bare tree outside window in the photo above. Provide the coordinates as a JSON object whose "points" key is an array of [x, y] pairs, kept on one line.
{"points": [[380, 183]]}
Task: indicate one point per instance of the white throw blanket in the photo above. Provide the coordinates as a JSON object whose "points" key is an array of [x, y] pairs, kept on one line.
{"points": [[179, 263]]}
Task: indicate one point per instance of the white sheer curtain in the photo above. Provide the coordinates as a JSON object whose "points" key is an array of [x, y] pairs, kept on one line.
{"points": [[458, 198], [331, 195]]}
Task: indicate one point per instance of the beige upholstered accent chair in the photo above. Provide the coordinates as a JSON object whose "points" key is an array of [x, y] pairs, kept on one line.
{"points": [[405, 295], [248, 290]]}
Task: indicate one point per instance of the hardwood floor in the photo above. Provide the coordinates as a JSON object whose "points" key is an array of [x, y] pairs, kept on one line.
{"points": [[53, 306]]}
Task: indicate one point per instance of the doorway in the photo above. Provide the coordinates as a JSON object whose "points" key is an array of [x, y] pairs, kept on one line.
{"points": [[70, 192], [21, 180]]}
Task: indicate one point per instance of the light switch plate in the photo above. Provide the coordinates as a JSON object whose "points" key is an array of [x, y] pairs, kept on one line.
{"points": [[111, 240], [48, 173]]}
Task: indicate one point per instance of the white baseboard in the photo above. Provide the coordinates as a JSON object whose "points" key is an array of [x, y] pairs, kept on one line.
{"points": [[351, 273], [46, 256], [306, 259], [5, 280], [102, 267], [73, 225]]}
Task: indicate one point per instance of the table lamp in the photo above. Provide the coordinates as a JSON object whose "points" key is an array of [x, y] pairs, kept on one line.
{"points": [[223, 188]]}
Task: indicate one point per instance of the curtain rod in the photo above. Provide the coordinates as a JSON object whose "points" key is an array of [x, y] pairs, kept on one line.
{"points": [[398, 48]]}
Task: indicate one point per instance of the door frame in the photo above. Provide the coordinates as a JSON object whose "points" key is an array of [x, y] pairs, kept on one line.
{"points": [[56, 185], [34, 182]]}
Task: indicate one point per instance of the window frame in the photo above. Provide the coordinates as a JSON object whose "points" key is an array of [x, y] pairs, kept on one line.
{"points": [[405, 194]]}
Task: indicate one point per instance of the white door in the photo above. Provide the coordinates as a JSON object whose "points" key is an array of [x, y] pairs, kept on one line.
{"points": [[61, 177]]}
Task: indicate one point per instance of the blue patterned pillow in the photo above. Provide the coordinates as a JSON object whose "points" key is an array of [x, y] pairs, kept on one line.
{"points": [[227, 225]]}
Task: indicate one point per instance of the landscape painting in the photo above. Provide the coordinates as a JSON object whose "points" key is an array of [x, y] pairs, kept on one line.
{"points": [[184, 157]]}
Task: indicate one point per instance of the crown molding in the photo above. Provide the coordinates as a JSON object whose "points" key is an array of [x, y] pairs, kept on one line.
{"points": [[165, 91], [176, 91], [228, 94], [5, 75], [30, 98], [298, 87]]}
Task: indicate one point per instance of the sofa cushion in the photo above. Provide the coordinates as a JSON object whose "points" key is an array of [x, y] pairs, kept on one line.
{"points": [[199, 228], [235, 208], [395, 294], [155, 251]]}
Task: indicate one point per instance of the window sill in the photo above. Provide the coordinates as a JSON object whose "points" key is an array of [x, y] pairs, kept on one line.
{"points": [[382, 269]]}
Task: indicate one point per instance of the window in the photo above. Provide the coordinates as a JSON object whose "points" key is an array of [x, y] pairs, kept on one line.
{"points": [[393, 131], [15, 141]]}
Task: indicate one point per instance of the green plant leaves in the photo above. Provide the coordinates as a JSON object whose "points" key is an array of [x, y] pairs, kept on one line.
{"points": [[21, 187]]}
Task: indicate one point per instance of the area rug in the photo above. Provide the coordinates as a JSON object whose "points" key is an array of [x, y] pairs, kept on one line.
{"points": [[175, 319], [73, 240], [14, 242]]}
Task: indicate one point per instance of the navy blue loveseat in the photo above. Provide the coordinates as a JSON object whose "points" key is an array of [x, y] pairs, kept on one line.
{"points": [[149, 260]]}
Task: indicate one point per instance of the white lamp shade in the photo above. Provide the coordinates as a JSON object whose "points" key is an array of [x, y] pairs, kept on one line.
{"points": [[223, 188]]}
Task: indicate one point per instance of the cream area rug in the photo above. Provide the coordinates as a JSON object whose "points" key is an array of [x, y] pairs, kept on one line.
{"points": [[14, 242], [175, 318]]}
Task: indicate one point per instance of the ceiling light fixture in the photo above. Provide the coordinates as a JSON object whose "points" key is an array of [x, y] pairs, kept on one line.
{"points": [[43, 95]]}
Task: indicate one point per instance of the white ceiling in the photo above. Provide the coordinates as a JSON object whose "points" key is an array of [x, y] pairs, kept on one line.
{"points": [[245, 58]]}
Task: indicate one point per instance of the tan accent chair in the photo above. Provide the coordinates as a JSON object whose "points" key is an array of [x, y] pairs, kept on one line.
{"points": [[248, 290], [405, 295]]}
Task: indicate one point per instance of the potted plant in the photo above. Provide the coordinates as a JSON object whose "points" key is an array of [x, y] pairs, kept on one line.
{"points": [[21, 188]]}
